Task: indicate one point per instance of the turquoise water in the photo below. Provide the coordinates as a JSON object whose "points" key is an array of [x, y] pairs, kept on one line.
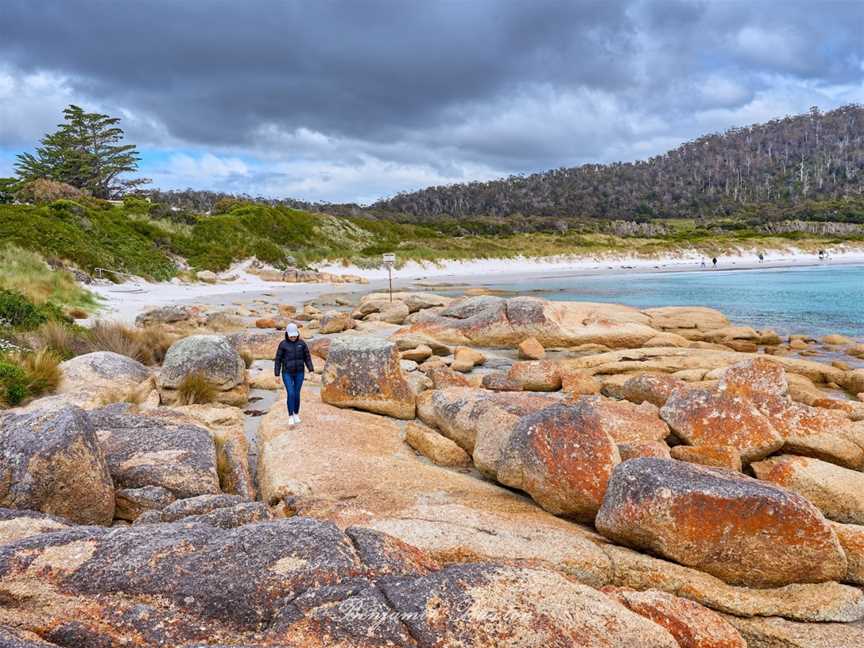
{"points": [[814, 300]]}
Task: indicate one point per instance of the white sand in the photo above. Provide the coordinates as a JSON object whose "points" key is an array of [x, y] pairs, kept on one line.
{"points": [[124, 301], [481, 269]]}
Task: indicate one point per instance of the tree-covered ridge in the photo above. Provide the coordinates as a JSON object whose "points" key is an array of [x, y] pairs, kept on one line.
{"points": [[815, 156]]}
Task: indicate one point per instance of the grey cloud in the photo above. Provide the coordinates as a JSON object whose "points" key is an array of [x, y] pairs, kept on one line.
{"points": [[438, 89]]}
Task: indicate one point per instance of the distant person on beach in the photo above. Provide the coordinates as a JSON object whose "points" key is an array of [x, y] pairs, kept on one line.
{"points": [[714, 261], [761, 257], [292, 357], [821, 255]]}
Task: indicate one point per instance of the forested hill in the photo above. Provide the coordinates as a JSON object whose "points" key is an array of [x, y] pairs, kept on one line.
{"points": [[815, 156]]}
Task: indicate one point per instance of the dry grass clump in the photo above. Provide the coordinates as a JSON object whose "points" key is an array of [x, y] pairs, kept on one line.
{"points": [[24, 376], [64, 340], [42, 369], [146, 345], [195, 389], [77, 313], [247, 356]]}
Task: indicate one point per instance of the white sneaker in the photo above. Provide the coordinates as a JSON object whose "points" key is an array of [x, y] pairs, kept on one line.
{"points": [[292, 420], [297, 418]]}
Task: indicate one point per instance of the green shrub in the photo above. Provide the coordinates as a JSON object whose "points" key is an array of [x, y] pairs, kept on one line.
{"points": [[16, 311], [13, 384]]}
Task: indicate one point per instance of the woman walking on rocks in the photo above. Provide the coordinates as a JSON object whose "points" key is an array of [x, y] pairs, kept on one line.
{"points": [[291, 358]]}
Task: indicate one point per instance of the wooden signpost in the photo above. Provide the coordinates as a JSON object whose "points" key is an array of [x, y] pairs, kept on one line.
{"points": [[390, 261]]}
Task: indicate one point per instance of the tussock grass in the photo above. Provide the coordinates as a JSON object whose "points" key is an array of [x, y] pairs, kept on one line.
{"points": [[27, 272], [146, 345], [64, 340], [26, 375], [195, 389]]}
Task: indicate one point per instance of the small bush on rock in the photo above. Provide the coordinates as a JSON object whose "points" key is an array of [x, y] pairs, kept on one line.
{"points": [[13, 384]]}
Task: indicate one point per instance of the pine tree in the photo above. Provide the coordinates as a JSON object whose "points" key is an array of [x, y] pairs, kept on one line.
{"points": [[86, 151]]}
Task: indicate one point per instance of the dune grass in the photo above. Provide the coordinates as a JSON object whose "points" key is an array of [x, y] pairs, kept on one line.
{"points": [[26, 272]]}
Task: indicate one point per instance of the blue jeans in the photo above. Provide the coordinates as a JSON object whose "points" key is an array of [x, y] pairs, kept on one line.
{"points": [[293, 383]]}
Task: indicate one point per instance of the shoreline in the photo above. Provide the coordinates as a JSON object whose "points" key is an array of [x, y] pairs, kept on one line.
{"points": [[124, 301], [597, 264]]}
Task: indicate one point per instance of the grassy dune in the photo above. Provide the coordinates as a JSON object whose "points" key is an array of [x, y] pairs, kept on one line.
{"points": [[142, 241]]}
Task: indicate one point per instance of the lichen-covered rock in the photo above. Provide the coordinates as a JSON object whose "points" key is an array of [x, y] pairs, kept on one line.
{"points": [[652, 388], [170, 314], [499, 381], [364, 373], [133, 502], [16, 524], [471, 605], [51, 461], [578, 382], [226, 426], [297, 582], [692, 625], [496, 322], [12, 638], [536, 375], [624, 422], [646, 449], [86, 378], [144, 450], [561, 458], [811, 602], [472, 417], [465, 359], [774, 632], [769, 536], [531, 349], [436, 447], [260, 344], [214, 357], [715, 417], [688, 321], [708, 455], [851, 538], [418, 354], [394, 313], [336, 321], [837, 492], [223, 511], [443, 377]]}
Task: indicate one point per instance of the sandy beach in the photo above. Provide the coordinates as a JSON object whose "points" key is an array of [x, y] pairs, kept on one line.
{"points": [[123, 301]]}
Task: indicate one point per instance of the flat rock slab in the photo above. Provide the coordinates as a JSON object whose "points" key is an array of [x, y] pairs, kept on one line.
{"points": [[354, 469], [769, 536], [297, 582]]}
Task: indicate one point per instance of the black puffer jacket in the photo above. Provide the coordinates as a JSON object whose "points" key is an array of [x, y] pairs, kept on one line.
{"points": [[291, 357]]}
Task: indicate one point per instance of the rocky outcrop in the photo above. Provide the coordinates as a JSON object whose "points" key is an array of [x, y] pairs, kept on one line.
{"points": [[560, 458], [364, 373], [261, 345], [851, 538], [16, 524], [304, 584], [156, 451], [88, 378], [436, 447], [770, 537], [837, 492], [780, 633], [170, 314], [223, 511], [649, 388], [692, 625], [531, 349], [497, 322], [226, 426], [52, 461], [536, 375], [131, 503], [709, 455], [213, 357]]}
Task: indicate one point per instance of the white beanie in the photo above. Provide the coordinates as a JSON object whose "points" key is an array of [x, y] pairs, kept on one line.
{"points": [[291, 330]]}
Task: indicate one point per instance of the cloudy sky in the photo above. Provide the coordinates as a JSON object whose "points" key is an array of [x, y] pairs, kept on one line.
{"points": [[359, 99]]}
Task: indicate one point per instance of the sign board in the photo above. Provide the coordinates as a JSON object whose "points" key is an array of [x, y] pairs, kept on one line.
{"points": [[389, 258]]}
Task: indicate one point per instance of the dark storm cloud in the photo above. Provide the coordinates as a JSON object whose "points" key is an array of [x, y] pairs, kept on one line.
{"points": [[454, 89]]}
